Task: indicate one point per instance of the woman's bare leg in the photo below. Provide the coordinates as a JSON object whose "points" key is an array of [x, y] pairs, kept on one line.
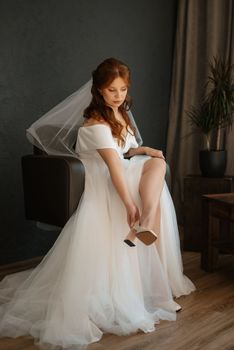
{"points": [[150, 188], [156, 226]]}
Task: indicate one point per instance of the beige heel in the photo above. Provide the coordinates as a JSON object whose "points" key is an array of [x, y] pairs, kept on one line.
{"points": [[145, 235], [130, 238]]}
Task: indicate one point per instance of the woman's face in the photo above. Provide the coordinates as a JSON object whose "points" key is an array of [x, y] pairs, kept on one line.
{"points": [[115, 94]]}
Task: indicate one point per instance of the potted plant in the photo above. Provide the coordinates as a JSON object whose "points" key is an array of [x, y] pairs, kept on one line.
{"points": [[214, 114]]}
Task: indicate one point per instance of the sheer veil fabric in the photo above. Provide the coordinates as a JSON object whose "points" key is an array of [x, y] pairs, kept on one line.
{"points": [[91, 282], [56, 131]]}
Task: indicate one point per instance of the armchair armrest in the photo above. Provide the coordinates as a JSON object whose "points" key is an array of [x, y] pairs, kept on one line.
{"points": [[53, 186], [168, 176]]}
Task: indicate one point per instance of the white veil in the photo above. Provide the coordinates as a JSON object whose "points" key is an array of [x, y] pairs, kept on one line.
{"points": [[55, 132]]}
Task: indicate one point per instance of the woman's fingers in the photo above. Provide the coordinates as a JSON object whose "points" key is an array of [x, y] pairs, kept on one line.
{"points": [[133, 216], [154, 153], [137, 216], [159, 154], [130, 220]]}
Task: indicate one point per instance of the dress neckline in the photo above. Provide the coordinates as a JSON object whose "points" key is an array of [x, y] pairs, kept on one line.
{"points": [[89, 126], [125, 137]]}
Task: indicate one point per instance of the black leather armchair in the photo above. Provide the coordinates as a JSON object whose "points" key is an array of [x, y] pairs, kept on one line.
{"points": [[53, 186]]}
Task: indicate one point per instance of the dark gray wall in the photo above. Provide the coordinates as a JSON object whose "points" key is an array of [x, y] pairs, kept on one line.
{"points": [[47, 50]]}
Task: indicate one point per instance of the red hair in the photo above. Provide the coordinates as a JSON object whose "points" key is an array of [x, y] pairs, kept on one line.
{"points": [[103, 76]]}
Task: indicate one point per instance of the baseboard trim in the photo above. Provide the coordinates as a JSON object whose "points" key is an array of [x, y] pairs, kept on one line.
{"points": [[19, 266]]}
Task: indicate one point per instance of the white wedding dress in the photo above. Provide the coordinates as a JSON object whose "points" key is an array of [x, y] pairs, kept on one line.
{"points": [[91, 282]]}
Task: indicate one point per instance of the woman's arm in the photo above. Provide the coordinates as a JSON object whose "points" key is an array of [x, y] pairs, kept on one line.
{"points": [[112, 160], [145, 150]]}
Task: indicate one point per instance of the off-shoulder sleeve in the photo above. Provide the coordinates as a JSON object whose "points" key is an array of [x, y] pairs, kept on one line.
{"points": [[96, 136]]}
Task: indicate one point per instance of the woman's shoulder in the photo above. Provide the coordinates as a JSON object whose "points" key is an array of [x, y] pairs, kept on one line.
{"points": [[95, 134]]}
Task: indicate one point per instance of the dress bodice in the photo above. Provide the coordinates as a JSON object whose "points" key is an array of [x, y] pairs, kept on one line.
{"points": [[99, 136]]}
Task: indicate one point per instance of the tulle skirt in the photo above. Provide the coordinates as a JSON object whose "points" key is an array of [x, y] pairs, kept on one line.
{"points": [[91, 282]]}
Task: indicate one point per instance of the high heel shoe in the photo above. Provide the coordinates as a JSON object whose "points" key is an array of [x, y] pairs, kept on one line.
{"points": [[145, 235], [130, 238], [178, 308]]}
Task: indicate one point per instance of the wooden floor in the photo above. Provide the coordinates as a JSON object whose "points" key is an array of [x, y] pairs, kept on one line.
{"points": [[205, 323]]}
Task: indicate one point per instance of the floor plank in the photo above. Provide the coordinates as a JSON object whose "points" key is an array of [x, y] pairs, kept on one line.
{"points": [[205, 323]]}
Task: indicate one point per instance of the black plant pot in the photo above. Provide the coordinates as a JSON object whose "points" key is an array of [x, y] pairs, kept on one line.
{"points": [[213, 163]]}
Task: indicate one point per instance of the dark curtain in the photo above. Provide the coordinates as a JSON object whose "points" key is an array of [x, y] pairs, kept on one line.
{"points": [[204, 29]]}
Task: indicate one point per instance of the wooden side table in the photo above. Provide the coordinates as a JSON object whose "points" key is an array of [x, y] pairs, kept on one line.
{"points": [[215, 207], [194, 187]]}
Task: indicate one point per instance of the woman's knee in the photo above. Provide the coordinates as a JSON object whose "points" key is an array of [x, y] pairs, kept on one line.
{"points": [[158, 164], [161, 164]]}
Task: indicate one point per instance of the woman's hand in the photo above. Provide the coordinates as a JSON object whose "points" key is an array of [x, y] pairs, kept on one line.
{"points": [[145, 150], [132, 214], [118, 177], [154, 153]]}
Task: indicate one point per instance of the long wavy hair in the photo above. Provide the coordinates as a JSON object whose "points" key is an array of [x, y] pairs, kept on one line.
{"points": [[103, 76]]}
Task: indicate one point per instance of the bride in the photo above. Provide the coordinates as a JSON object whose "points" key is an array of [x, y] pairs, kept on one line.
{"points": [[116, 265]]}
